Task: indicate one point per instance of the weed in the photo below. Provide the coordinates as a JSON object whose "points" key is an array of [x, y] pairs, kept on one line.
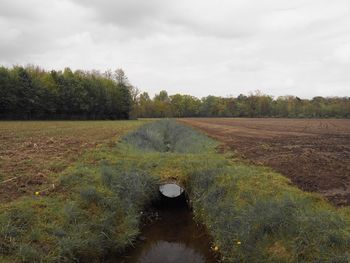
{"points": [[8, 235], [28, 253], [73, 213], [35, 235], [20, 218], [75, 178], [90, 195]]}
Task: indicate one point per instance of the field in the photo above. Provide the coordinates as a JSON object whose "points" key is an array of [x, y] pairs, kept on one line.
{"points": [[313, 153], [33, 153], [105, 187]]}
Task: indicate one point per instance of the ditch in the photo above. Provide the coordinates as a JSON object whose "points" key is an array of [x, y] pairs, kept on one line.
{"points": [[172, 236]]}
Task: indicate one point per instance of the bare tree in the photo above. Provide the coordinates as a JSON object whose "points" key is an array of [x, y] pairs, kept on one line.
{"points": [[134, 92], [108, 74], [120, 77]]}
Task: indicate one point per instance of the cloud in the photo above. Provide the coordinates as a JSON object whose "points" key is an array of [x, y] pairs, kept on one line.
{"points": [[198, 47], [342, 52]]}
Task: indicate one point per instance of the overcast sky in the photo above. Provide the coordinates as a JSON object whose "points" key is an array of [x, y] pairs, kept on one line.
{"points": [[197, 47]]}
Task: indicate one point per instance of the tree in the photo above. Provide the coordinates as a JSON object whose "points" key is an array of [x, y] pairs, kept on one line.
{"points": [[7, 98], [146, 108], [134, 93], [162, 105], [31, 93], [26, 94], [120, 77]]}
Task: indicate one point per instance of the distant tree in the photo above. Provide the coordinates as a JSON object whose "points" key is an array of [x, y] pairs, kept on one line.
{"points": [[162, 96], [120, 77], [124, 95], [184, 105], [7, 97], [134, 93], [162, 106], [29, 93], [146, 106], [33, 93], [26, 94], [210, 106]]}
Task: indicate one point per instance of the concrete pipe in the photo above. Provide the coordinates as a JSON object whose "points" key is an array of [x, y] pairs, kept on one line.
{"points": [[171, 189]]}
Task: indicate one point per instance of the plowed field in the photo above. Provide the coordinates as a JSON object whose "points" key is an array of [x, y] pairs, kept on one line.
{"points": [[313, 153]]}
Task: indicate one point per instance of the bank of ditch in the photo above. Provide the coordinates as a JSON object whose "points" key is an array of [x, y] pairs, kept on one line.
{"points": [[252, 213]]}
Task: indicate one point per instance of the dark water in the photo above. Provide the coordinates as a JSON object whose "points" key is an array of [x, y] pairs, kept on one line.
{"points": [[174, 238]]}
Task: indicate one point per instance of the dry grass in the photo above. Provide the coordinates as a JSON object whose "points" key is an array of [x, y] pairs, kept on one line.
{"points": [[33, 153]]}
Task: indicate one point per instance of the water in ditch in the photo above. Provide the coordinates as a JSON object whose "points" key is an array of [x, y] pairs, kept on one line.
{"points": [[173, 237]]}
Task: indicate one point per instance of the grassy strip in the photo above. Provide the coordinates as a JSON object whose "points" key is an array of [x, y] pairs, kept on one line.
{"points": [[88, 215], [168, 136], [97, 204], [253, 214]]}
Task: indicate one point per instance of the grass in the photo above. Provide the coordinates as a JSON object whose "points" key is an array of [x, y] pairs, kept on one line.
{"points": [[34, 153], [252, 213], [60, 224], [168, 136], [255, 215]]}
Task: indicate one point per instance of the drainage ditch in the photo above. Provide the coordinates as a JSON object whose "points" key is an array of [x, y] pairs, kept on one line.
{"points": [[172, 235]]}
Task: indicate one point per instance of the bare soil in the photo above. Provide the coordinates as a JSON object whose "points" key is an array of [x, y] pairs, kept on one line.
{"points": [[313, 153], [33, 153]]}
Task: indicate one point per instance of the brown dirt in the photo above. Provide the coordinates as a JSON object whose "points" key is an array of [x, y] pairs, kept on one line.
{"points": [[313, 153], [33, 153]]}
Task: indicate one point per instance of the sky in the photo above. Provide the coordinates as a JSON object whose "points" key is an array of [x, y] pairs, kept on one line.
{"points": [[196, 47]]}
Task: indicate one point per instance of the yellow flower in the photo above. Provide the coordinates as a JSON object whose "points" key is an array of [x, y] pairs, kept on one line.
{"points": [[37, 193], [216, 248], [239, 242]]}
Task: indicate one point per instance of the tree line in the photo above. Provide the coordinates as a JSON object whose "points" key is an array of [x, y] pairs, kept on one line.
{"points": [[33, 93], [253, 105]]}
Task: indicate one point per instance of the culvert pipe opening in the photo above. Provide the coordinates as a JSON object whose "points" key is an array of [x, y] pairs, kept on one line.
{"points": [[171, 189], [171, 234]]}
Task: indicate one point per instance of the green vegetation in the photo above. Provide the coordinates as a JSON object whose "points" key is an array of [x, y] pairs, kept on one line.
{"points": [[168, 136], [32, 93], [62, 224], [253, 105], [99, 216], [253, 214]]}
